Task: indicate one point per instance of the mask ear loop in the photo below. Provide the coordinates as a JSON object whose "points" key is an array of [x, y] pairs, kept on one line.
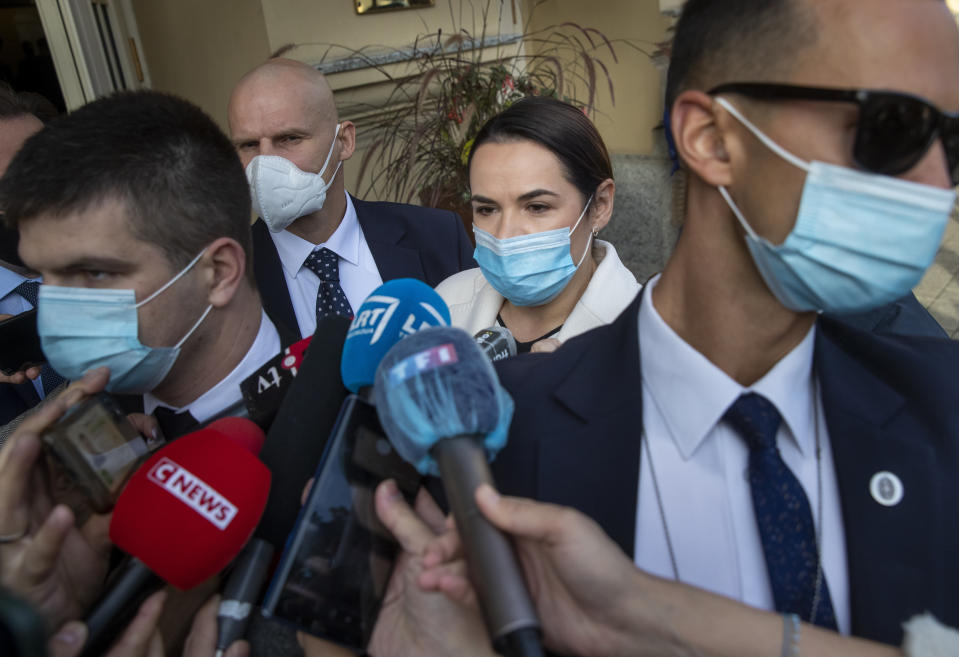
{"points": [[326, 162], [768, 143], [172, 280], [589, 240], [194, 327]]}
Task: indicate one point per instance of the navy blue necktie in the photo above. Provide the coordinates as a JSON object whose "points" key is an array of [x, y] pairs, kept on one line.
{"points": [[49, 379], [174, 424], [783, 515], [330, 299]]}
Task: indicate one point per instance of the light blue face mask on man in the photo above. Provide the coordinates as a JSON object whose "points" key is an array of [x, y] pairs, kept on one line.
{"points": [[529, 270], [860, 241], [83, 328]]}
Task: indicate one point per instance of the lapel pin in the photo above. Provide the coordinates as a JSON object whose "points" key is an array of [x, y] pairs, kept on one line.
{"points": [[886, 488]]}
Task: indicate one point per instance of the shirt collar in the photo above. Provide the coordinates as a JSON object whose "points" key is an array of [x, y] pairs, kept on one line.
{"points": [[227, 391], [692, 394], [344, 242], [9, 280]]}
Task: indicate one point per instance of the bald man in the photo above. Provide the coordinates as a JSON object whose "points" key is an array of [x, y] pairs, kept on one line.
{"points": [[317, 249]]}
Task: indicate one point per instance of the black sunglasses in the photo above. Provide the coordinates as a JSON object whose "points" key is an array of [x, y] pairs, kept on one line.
{"points": [[895, 129]]}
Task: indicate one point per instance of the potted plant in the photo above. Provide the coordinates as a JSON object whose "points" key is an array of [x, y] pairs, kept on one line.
{"points": [[421, 137]]}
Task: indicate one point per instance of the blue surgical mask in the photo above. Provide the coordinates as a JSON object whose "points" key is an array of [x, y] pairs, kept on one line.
{"points": [[529, 270], [83, 328], [860, 241]]}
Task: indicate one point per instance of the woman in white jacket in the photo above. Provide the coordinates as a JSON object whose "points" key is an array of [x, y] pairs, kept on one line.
{"points": [[541, 188]]}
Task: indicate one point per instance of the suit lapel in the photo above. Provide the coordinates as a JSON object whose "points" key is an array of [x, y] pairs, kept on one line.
{"points": [[271, 282], [594, 466], [383, 237], [891, 550]]}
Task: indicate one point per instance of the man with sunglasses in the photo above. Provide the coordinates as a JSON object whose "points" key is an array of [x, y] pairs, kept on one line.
{"points": [[724, 431]]}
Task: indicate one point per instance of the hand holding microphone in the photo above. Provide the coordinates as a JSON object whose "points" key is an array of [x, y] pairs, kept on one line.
{"points": [[443, 409]]}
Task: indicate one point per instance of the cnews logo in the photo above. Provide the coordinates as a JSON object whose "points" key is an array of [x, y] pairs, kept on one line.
{"points": [[193, 491]]}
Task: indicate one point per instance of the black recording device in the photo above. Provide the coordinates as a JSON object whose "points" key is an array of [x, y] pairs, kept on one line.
{"points": [[20, 343], [335, 570]]}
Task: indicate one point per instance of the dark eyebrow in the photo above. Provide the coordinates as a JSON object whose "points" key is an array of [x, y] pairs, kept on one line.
{"points": [[523, 197], [97, 264], [536, 192]]}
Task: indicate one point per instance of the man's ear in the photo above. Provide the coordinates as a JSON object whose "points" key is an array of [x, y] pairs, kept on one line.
{"points": [[700, 139], [601, 209], [224, 264], [347, 139]]}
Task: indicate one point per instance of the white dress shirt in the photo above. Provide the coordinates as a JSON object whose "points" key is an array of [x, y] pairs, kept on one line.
{"points": [[224, 394], [701, 467], [358, 273]]}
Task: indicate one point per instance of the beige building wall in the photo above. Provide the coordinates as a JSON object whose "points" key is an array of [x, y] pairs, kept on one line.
{"points": [[199, 49], [626, 126]]}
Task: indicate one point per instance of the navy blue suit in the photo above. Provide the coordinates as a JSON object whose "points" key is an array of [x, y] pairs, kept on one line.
{"points": [[16, 399], [891, 403], [407, 241]]}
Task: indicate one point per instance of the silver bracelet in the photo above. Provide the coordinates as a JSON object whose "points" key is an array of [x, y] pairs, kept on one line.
{"points": [[790, 635]]}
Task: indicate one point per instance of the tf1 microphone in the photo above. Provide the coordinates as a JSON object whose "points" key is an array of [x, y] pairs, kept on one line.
{"points": [[496, 342], [444, 411], [183, 516], [394, 310]]}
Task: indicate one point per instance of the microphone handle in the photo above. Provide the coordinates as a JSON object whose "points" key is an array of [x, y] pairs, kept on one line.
{"points": [[241, 592], [494, 569], [131, 585]]}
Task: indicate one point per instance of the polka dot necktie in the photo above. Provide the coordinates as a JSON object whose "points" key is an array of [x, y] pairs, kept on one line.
{"points": [[330, 299], [49, 379], [783, 515]]}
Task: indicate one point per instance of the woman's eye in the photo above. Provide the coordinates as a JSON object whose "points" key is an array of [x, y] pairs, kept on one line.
{"points": [[96, 275], [483, 211], [537, 207]]}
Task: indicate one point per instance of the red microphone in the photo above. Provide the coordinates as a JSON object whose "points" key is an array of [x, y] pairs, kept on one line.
{"points": [[182, 517]]}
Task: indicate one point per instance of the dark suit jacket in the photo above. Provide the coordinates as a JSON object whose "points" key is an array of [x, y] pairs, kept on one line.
{"points": [[15, 399], [891, 403], [407, 241]]}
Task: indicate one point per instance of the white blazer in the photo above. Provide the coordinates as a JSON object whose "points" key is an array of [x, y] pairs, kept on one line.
{"points": [[474, 303]]}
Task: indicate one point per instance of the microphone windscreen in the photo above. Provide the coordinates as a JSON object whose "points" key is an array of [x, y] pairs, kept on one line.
{"points": [[438, 384], [496, 342], [393, 311], [242, 431], [189, 509]]}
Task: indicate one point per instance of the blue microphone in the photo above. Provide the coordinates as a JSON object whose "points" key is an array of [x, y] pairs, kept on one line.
{"points": [[393, 311], [444, 411]]}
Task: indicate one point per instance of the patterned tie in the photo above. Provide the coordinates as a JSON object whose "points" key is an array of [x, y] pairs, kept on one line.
{"points": [[782, 513], [49, 379], [330, 299], [174, 424]]}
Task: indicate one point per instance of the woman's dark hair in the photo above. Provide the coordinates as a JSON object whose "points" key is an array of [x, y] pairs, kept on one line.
{"points": [[560, 128]]}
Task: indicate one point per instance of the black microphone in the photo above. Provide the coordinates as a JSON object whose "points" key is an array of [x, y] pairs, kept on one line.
{"points": [[496, 342], [265, 389], [306, 412], [443, 409]]}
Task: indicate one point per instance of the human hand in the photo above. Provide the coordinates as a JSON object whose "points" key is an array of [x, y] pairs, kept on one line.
{"points": [[587, 592], [202, 639], [545, 346], [413, 621], [141, 638], [44, 557]]}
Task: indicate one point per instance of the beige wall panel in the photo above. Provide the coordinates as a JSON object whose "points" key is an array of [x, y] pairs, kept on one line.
{"points": [[626, 126], [314, 24], [198, 50]]}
